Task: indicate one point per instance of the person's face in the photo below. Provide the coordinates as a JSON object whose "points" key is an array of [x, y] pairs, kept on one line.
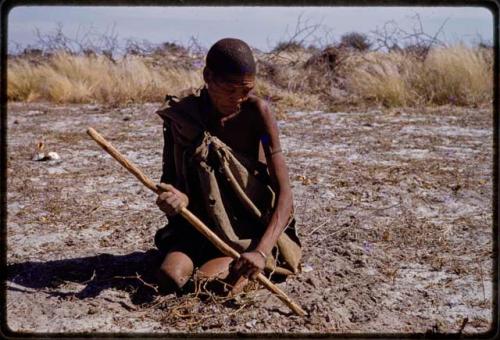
{"points": [[227, 94]]}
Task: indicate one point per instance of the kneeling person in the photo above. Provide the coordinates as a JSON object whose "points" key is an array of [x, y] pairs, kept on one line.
{"points": [[222, 150]]}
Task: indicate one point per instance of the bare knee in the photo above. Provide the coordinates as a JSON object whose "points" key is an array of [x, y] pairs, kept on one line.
{"points": [[175, 270], [218, 267]]}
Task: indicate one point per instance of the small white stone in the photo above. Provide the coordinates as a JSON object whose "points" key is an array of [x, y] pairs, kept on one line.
{"points": [[306, 268], [53, 156], [39, 156], [251, 324]]}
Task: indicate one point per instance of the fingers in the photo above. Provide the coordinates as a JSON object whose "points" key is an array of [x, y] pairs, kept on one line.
{"points": [[250, 273], [170, 200], [248, 269], [254, 274], [240, 266], [235, 266], [165, 187], [161, 202], [244, 267]]}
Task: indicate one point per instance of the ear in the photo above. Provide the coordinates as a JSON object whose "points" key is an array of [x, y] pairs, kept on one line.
{"points": [[207, 75]]}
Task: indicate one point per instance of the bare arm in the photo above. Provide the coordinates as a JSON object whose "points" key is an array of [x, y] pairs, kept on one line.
{"points": [[280, 182], [251, 263]]}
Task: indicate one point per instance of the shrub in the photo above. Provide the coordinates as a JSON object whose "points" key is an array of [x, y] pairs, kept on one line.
{"points": [[356, 41], [418, 50], [288, 46], [328, 57]]}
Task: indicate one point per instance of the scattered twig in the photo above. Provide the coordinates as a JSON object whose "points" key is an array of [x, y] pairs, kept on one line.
{"points": [[318, 227], [137, 277], [347, 227], [393, 275], [187, 311], [383, 208]]}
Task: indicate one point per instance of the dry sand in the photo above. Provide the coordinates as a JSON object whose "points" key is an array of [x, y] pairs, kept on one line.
{"points": [[394, 210]]}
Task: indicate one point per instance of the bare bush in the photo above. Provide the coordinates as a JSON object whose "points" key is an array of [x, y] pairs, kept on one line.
{"points": [[330, 58], [302, 32], [85, 42], [419, 51], [291, 49], [32, 52], [356, 41], [196, 48], [391, 37], [288, 46], [55, 41], [483, 43], [171, 48], [136, 47]]}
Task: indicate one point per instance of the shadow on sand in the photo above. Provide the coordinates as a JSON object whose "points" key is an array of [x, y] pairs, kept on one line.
{"points": [[97, 273]]}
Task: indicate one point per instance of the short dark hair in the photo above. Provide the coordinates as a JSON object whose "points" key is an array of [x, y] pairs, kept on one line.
{"points": [[230, 56]]}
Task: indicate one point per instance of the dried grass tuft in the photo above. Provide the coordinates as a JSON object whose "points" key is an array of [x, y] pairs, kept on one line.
{"points": [[66, 78], [455, 75], [299, 80]]}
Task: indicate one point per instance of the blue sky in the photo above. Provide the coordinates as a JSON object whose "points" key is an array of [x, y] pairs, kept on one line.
{"points": [[261, 27]]}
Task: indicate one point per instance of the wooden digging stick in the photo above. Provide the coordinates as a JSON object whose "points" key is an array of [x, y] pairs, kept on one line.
{"points": [[197, 223]]}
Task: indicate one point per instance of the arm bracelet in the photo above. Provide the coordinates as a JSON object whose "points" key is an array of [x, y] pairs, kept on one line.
{"points": [[261, 253]]}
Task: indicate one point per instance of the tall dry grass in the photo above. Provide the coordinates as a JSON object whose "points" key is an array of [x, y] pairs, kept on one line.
{"points": [[65, 78], [459, 73], [455, 75]]}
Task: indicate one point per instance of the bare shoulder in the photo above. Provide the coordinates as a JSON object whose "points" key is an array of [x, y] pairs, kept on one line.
{"points": [[261, 107], [267, 122]]}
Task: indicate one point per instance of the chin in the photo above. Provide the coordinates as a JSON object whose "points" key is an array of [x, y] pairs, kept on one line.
{"points": [[229, 111]]}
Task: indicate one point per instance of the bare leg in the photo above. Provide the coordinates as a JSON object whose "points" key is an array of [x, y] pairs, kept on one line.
{"points": [[219, 268], [175, 270]]}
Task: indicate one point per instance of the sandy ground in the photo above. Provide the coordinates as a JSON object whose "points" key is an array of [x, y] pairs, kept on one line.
{"points": [[394, 210]]}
